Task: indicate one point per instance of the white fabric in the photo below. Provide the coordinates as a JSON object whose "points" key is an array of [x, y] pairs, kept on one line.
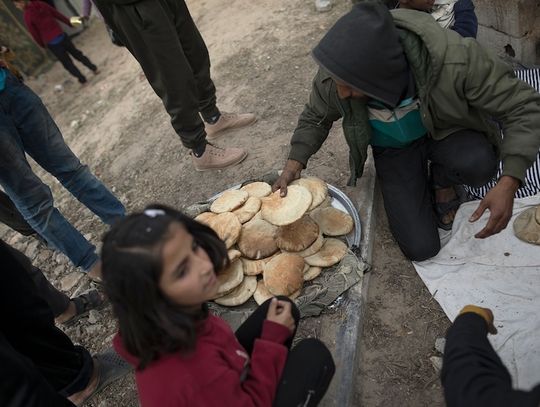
{"points": [[443, 12], [501, 273]]}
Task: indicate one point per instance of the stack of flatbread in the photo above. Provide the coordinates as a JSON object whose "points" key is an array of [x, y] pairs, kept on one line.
{"points": [[276, 244]]}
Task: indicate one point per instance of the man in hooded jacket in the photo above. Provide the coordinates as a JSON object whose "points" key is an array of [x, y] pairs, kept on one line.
{"points": [[419, 94]]}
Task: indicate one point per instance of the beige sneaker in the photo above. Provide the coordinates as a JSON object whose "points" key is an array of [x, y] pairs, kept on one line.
{"points": [[216, 158], [228, 121]]}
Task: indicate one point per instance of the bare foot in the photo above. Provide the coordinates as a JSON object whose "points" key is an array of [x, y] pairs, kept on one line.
{"points": [[79, 397], [67, 314], [95, 272]]}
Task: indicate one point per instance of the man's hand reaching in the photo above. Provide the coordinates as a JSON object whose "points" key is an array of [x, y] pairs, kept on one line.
{"points": [[500, 201], [291, 172]]}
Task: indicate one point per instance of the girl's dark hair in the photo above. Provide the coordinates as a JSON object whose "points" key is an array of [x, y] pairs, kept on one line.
{"points": [[149, 323]]}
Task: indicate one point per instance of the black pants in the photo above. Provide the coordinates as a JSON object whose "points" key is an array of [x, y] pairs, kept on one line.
{"points": [[39, 365], [56, 299], [162, 36], [10, 216], [464, 158], [63, 50], [473, 374], [309, 367]]}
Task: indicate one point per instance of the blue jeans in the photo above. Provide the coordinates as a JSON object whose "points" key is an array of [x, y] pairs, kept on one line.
{"points": [[27, 127]]}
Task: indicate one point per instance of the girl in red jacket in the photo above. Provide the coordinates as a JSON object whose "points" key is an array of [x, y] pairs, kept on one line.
{"points": [[41, 21], [159, 269]]}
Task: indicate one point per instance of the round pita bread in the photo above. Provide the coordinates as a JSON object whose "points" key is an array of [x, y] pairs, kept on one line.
{"points": [[332, 221], [316, 186], [258, 215], [284, 211], [257, 189], [527, 225], [227, 227], [234, 254], [283, 275], [314, 248], [205, 217], [298, 235], [258, 239], [295, 295], [230, 278], [326, 203], [312, 272], [248, 210], [229, 201], [261, 294], [332, 252], [240, 294], [255, 267]]}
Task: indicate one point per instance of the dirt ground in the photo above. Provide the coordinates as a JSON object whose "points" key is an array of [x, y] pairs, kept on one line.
{"points": [[401, 325], [260, 63]]}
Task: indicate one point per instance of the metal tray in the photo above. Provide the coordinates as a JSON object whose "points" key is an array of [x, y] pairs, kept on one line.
{"points": [[339, 201]]}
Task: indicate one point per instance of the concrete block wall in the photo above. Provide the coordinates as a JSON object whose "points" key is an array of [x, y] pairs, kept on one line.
{"points": [[510, 27]]}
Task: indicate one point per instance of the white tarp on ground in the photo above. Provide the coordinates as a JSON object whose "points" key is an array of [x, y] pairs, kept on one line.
{"points": [[501, 273]]}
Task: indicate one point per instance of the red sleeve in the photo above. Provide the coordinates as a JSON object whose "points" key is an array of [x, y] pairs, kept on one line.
{"points": [[272, 331], [33, 30], [259, 387], [59, 16]]}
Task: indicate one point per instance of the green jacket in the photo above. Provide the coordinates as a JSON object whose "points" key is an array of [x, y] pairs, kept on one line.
{"points": [[460, 86]]}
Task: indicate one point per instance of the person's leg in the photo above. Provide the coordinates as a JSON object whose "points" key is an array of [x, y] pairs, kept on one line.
{"points": [[148, 32], [21, 384], [59, 52], [77, 53], [403, 179], [464, 158], [252, 327], [27, 324], [197, 57], [10, 216], [306, 376], [32, 198], [56, 299], [43, 141]]}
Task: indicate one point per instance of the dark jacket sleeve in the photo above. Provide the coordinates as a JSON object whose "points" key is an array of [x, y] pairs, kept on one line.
{"points": [[491, 86], [466, 23], [473, 375], [315, 121]]}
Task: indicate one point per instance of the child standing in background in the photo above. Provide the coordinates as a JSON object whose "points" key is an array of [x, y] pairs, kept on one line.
{"points": [[457, 15], [159, 270], [41, 21]]}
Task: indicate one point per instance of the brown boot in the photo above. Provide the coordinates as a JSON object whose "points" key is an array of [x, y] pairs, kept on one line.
{"points": [[216, 158], [228, 121]]}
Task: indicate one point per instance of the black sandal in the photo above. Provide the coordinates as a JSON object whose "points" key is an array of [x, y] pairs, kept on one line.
{"points": [[444, 208], [85, 302]]}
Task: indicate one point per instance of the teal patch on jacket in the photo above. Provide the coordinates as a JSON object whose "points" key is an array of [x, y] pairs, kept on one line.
{"points": [[395, 128], [2, 79]]}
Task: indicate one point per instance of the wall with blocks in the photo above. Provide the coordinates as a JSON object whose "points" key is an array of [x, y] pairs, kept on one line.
{"points": [[510, 27]]}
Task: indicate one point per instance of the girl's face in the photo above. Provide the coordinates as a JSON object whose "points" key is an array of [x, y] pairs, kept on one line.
{"points": [[188, 278], [422, 5]]}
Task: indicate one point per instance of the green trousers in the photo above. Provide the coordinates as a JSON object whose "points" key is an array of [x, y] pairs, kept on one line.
{"points": [[162, 36]]}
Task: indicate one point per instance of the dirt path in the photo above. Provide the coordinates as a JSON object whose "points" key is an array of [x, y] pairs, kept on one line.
{"points": [[261, 63]]}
